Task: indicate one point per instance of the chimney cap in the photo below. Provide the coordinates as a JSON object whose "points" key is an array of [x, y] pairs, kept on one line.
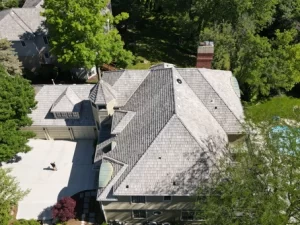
{"points": [[207, 43]]}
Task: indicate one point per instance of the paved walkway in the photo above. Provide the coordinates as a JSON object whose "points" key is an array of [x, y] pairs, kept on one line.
{"points": [[75, 173]]}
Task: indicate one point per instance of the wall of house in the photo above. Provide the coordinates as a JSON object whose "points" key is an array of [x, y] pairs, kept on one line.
{"points": [[171, 211]]}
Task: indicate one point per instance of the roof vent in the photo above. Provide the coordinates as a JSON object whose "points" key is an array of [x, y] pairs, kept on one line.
{"points": [[179, 81], [159, 157], [127, 186], [174, 183]]}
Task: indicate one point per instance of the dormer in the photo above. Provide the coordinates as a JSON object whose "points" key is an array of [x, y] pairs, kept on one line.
{"points": [[67, 105], [103, 98]]}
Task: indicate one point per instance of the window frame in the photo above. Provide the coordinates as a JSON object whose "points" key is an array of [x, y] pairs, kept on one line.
{"points": [[133, 216], [138, 198], [171, 198]]}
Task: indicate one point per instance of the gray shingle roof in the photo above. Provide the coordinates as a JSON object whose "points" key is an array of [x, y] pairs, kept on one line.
{"points": [[123, 123], [42, 116], [223, 104], [102, 93], [169, 117], [118, 115], [16, 22], [127, 83], [68, 101], [33, 3]]}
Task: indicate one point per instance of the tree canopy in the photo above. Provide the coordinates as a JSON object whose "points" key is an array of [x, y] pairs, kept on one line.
{"points": [[256, 39], [82, 33], [10, 195], [16, 101], [8, 58], [261, 185]]}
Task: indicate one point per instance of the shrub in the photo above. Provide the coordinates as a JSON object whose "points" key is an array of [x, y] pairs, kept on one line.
{"points": [[26, 222], [64, 209]]}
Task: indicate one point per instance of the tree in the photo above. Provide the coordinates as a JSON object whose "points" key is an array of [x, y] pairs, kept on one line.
{"points": [[8, 58], [64, 209], [10, 195], [16, 101], [26, 222], [261, 186], [6, 4], [82, 33]]}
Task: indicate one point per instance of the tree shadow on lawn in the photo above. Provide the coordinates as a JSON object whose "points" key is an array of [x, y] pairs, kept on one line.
{"points": [[157, 44]]}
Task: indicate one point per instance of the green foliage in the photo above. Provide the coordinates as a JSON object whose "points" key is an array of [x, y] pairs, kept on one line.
{"points": [[6, 4], [16, 101], [283, 107], [82, 33], [8, 58], [26, 222], [256, 39], [262, 185], [10, 195]]}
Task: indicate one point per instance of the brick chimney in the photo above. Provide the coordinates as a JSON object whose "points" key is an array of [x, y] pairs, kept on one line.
{"points": [[205, 54]]}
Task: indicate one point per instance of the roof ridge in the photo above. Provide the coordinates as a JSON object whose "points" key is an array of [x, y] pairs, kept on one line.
{"points": [[220, 98], [73, 92], [22, 20], [148, 71], [201, 102]]}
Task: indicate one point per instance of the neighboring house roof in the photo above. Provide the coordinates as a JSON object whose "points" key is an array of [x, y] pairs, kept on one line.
{"points": [[68, 101], [20, 23], [173, 136], [49, 94], [33, 3]]}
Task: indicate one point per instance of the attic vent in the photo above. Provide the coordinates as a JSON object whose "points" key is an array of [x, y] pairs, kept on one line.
{"points": [[179, 81]]}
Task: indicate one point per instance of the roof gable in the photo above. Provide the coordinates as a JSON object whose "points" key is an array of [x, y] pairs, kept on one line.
{"points": [[68, 101]]}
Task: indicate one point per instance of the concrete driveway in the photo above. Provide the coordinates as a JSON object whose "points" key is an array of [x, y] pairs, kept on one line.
{"points": [[75, 173]]}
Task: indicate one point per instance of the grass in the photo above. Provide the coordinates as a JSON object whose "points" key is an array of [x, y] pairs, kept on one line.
{"points": [[283, 107]]}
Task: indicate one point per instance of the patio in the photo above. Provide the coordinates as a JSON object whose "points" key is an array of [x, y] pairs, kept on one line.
{"points": [[75, 173]]}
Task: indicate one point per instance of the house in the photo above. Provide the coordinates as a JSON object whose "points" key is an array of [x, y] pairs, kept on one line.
{"points": [[160, 132], [23, 27]]}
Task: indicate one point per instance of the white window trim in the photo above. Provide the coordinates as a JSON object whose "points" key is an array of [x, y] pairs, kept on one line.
{"points": [[135, 218], [167, 200]]}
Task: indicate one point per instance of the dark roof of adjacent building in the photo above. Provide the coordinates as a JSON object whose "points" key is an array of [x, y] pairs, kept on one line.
{"points": [[176, 130]]}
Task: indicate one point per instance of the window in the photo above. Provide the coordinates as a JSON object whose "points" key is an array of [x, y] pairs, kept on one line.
{"points": [[46, 40], [47, 55], [138, 199], [167, 198], [23, 43], [188, 215], [101, 106], [139, 214]]}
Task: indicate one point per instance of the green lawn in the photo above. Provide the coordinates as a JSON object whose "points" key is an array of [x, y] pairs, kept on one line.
{"points": [[283, 107]]}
